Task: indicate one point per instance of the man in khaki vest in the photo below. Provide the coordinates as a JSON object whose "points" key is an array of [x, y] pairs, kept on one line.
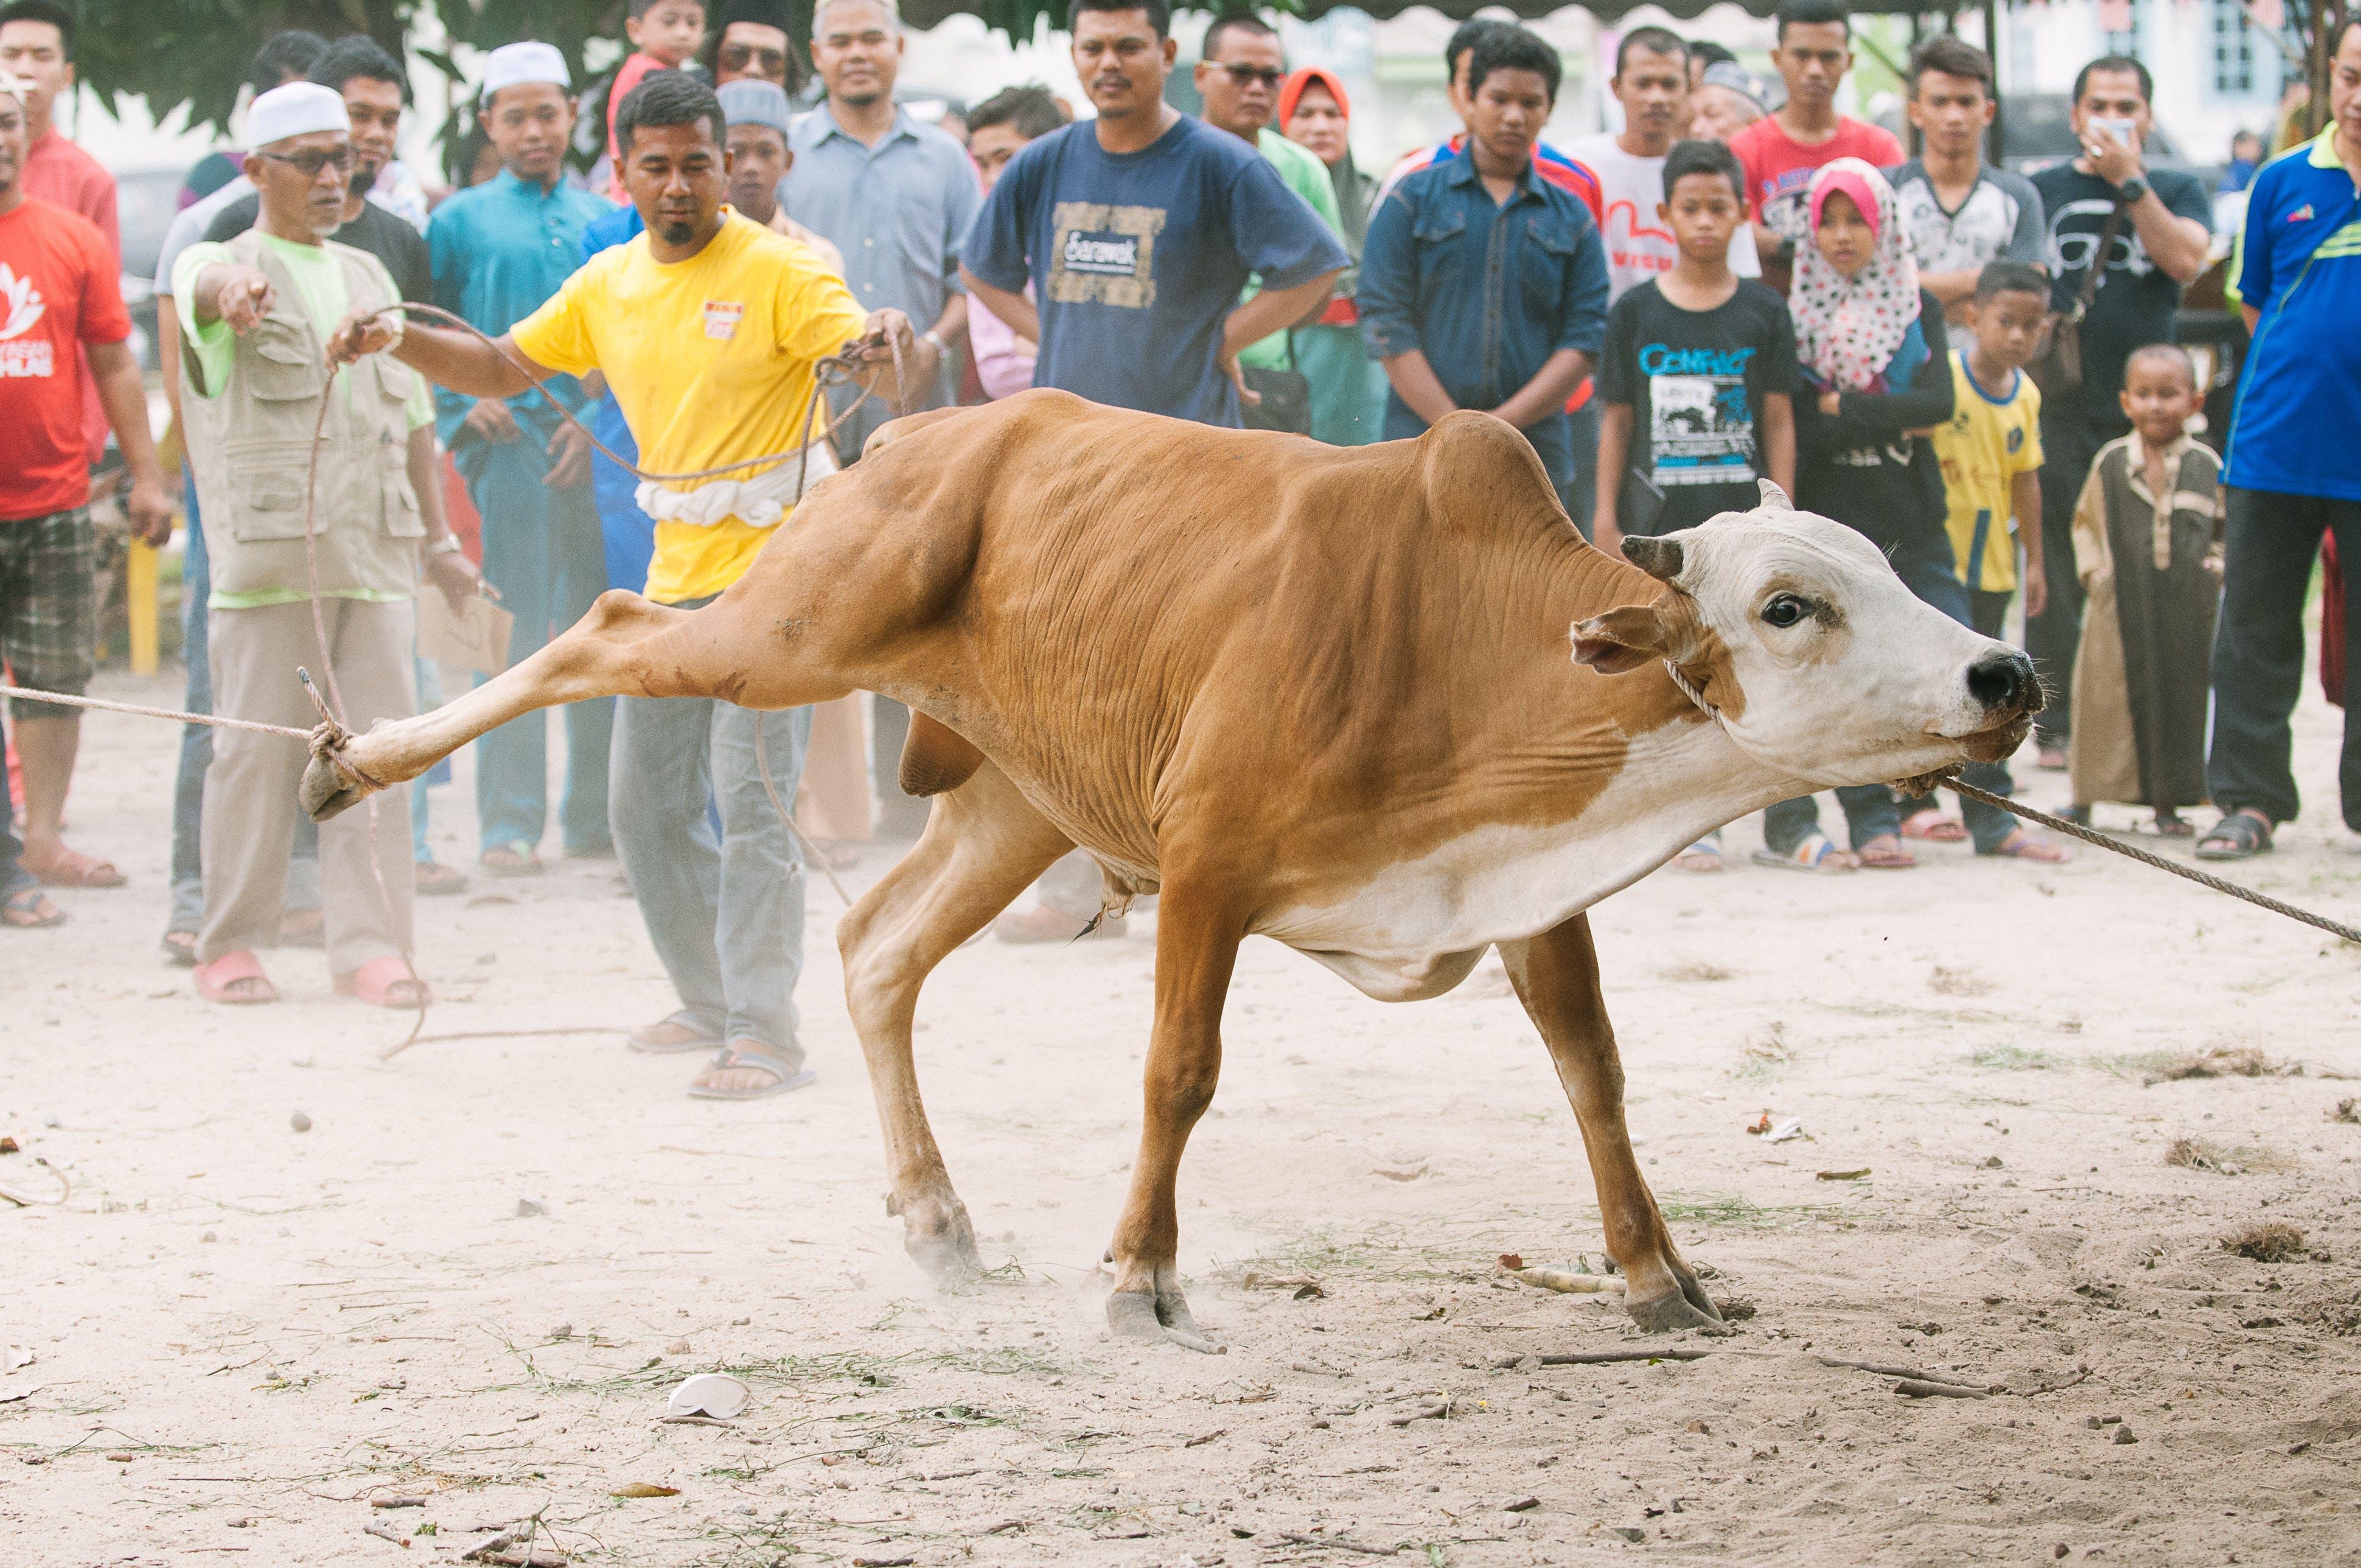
{"points": [[255, 317]]}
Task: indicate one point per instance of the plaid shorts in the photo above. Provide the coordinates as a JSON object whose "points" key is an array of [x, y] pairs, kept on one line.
{"points": [[48, 607]]}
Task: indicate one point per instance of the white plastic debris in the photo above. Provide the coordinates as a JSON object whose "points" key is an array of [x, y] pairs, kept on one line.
{"points": [[1792, 1127], [714, 1394]]}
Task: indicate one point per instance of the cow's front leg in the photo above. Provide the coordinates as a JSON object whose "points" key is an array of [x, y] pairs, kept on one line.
{"points": [[1556, 977], [1197, 936]]}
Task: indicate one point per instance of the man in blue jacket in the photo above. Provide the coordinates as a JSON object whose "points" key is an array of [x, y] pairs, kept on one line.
{"points": [[1483, 285]]}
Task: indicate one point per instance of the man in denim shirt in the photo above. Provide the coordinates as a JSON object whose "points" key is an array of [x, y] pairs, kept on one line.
{"points": [[1483, 285]]}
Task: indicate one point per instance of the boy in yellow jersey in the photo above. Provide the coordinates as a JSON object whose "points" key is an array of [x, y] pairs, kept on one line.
{"points": [[1991, 452], [708, 327]]}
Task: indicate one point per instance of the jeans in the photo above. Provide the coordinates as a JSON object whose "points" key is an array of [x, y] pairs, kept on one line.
{"points": [[2272, 542], [2052, 638], [303, 892], [726, 916], [1580, 489], [544, 552], [1927, 570]]}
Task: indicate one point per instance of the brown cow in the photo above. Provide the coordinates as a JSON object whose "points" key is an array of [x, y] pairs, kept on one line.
{"points": [[1321, 695]]}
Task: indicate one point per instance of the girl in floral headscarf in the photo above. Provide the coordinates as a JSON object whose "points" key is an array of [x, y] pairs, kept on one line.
{"points": [[1877, 374]]}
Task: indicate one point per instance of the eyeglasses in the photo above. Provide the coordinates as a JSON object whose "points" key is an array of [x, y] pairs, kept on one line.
{"points": [[1247, 75], [312, 159], [743, 57]]}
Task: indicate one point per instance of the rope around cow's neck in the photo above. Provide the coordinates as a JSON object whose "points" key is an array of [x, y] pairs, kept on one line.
{"points": [[1688, 689]]}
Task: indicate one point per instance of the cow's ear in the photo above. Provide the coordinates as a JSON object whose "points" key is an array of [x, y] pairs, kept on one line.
{"points": [[1623, 639]]}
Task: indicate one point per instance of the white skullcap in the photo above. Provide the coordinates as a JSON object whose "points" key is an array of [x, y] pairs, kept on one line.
{"points": [[513, 65], [296, 109]]}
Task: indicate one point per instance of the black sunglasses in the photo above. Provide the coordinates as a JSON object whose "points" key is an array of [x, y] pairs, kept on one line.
{"points": [[739, 57], [311, 160], [1247, 75]]}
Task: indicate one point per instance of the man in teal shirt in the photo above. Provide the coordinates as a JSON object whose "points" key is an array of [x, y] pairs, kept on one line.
{"points": [[1239, 78], [501, 249]]}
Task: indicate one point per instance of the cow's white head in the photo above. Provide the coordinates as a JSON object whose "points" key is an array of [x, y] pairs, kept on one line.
{"points": [[1797, 632]]}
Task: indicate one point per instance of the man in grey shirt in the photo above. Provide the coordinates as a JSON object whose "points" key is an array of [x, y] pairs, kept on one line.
{"points": [[1959, 212], [894, 194]]}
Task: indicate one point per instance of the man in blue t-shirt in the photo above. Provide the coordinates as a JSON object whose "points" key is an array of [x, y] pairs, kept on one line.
{"points": [[2291, 478], [1138, 230]]}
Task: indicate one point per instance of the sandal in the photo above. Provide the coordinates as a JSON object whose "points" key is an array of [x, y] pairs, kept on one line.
{"points": [[1815, 854], [30, 909], [74, 869], [2240, 835], [181, 947], [675, 1034], [2172, 824], [2049, 756], [758, 1057], [386, 983], [236, 980], [436, 880], [510, 859], [2024, 844], [1705, 855], [1884, 852], [1932, 826]]}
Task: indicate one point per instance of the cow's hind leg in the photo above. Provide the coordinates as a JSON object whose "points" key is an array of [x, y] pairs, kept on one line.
{"points": [[1556, 977], [1197, 937], [984, 844]]}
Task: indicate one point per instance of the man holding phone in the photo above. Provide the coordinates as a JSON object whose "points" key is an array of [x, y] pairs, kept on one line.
{"points": [[2153, 226]]}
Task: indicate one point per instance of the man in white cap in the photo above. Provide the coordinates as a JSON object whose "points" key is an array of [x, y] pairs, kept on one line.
{"points": [[256, 316], [499, 249], [58, 296], [708, 328]]}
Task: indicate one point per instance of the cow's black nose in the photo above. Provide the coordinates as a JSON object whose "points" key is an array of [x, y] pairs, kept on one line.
{"points": [[2003, 683]]}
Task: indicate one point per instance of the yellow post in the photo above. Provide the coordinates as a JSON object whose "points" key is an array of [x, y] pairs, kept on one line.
{"points": [[139, 601]]}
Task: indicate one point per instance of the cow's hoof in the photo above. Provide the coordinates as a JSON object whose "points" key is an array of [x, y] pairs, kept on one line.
{"points": [[1161, 1316], [326, 791], [946, 1252], [1688, 1308]]}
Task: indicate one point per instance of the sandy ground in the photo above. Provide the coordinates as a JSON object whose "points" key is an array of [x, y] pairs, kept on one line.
{"points": [[243, 1335]]}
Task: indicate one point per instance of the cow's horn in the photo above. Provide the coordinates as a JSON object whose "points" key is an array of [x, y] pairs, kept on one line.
{"points": [[1773, 497], [1660, 558]]}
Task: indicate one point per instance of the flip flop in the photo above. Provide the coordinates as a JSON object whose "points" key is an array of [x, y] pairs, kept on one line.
{"points": [[1705, 855], [436, 880], [1932, 826], [30, 909], [1873, 858], [386, 983], [2240, 835], [511, 860], [671, 1037], [1815, 854], [181, 947], [749, 1053], [236, 980], [74, 869], [2024, 844]]}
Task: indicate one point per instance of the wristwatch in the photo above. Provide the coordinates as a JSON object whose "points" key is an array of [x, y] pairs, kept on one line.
{"points": [[448, 546], [2131, 189], [931, 335]]}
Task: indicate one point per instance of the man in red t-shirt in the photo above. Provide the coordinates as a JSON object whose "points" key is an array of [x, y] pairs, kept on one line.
{"points": [[1781, 152], [60, 296], [37, 48]]}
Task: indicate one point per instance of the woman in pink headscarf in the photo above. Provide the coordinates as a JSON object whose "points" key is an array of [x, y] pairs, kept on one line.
{"points": [[1877, 379]]}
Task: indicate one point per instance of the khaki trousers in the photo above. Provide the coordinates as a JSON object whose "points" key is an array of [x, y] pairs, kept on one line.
{"points": [[250, 805]]}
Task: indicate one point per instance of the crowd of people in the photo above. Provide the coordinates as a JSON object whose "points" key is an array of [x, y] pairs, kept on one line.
{"points": [[1974, 368]]}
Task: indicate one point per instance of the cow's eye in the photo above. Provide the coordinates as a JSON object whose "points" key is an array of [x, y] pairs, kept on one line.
{"points": [[1785, 611]]}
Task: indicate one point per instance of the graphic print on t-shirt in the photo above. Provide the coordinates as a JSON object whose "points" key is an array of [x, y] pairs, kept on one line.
{"points": [[25, 310], [1701, 430], [1105, 254]]}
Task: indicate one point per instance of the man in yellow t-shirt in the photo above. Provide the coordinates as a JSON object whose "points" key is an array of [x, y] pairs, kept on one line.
{"points": [[708, 327]]}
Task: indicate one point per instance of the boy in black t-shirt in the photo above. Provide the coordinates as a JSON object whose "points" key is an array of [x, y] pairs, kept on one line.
{"points": [[1697, 371]]}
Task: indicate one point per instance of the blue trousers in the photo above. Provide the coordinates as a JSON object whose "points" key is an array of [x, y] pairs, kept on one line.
{"points": [[1927, 570], [726, 914], [14, 878], [543, 551]]}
